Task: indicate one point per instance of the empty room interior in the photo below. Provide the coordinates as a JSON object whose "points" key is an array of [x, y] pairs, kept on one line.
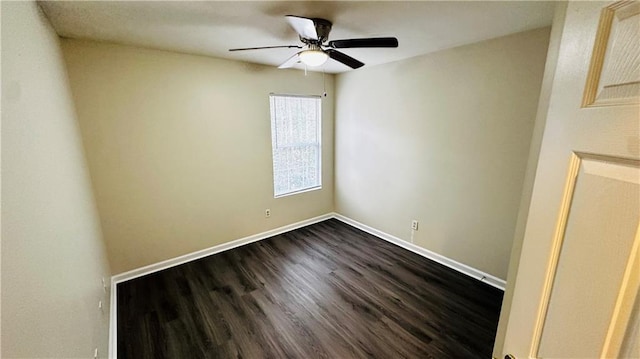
{"points": [[354, 179]]}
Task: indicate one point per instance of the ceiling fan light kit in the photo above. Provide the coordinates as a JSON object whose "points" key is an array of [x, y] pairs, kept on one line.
{"points": [[314, 33], [313, 58]]}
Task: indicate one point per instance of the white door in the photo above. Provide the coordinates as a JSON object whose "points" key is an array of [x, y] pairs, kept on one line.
{"points": [[576, 292]]}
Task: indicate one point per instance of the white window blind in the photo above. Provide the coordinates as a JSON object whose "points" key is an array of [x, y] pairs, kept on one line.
{"points": [[295, 140]]}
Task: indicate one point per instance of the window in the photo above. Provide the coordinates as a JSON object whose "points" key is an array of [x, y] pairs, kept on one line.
{"points": [[295, 140]]}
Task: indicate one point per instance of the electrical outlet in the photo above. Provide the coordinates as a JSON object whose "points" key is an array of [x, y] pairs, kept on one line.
{"points": [[414, 224], [267, 213], [104, 285]]}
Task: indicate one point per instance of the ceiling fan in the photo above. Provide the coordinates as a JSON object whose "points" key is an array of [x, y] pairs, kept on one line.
{"points": [[314, 33]]}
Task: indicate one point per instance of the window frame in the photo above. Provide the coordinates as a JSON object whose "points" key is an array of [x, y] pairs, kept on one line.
{"points": [[273, 143]]}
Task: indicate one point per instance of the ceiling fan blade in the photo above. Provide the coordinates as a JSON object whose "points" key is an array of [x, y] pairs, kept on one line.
{"points": [[365, 42], [344, 58], [267, 47], [290, 62], [305, 27]]}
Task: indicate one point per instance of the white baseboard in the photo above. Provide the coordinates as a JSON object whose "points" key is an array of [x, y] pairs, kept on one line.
{"points": [[113, 322], [152, 268], [462, 268], [156, 267]]}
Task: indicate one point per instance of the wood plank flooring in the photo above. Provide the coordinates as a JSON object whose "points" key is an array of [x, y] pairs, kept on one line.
{"points": [[323, 291]]}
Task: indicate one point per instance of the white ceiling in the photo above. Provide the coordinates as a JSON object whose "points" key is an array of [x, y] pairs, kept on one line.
{"points": [[211, 28]]}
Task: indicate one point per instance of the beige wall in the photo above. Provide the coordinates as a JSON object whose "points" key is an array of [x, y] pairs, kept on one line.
{"points": [[442, 138], [179, 148], [53, 257]]}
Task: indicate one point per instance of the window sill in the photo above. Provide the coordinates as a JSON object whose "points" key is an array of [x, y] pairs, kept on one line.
{"points": [[298, 192]]}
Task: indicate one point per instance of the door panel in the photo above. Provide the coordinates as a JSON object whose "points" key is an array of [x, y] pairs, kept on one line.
{"points": [[601, 224], [575, 294], [614, 77]]}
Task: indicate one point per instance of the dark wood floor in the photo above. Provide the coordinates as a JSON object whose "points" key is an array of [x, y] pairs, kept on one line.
{"points": [[324, 291]]}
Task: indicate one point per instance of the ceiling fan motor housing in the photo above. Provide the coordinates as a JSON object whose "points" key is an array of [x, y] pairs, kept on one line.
{"points": [[323, 27]]}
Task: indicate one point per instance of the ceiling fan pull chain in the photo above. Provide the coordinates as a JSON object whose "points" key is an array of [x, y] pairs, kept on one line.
{"points": [[324, 85]]}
